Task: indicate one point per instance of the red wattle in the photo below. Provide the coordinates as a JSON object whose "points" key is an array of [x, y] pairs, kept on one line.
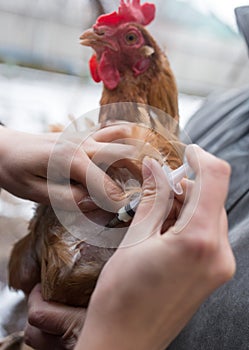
{"points": [[93, 65], [108, 72]]}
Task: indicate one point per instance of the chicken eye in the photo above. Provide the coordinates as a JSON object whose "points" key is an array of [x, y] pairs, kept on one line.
{"points": [[131, 38]]}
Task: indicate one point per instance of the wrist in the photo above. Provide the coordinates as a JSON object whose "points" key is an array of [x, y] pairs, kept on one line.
{"points": [[2, 140], [114, 324], [6, 142]]}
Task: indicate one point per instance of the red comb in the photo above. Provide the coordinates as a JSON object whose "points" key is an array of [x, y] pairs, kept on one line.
{"points": [[129, 11]]}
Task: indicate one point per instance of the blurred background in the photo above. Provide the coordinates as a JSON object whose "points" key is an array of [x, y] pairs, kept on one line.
{"points": [[44, 72], [44, 75]]}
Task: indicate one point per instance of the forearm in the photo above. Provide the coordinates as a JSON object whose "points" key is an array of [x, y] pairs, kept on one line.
{"points": [[5, 142], [21, 157], [116, 323], [147, 292], [26, 159], [1, 142], [3, 135], [108, 328]]}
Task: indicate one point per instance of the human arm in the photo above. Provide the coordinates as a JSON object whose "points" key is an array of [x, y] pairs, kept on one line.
{"points": [[148, 291], [25, 158], [168, 275], [52, 325]]}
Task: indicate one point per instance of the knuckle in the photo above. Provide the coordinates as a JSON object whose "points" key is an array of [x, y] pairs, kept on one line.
{"points": [[200, 245], [37, 195], [62, 148], [225, 168], [115, 193], [154, 186], [226, 272], [148, 191], [205, 162], [121, 131], [36, 317], [155, 191], [201, 248], [225, 268], [219, 167], [27, 338], [77, 159]]}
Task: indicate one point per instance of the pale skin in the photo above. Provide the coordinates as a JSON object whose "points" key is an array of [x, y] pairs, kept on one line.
{"points": [[148, 291], [24, 161]]}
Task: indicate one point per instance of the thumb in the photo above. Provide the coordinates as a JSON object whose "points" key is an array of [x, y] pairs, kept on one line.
{"points": [[154, 206], [51, 317]]}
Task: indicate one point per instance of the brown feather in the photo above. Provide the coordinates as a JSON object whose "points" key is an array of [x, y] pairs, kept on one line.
{"points": [[156, 87], [67, 267]]}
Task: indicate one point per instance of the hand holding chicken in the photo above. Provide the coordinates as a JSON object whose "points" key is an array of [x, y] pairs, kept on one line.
{"points": [[147, 292]]}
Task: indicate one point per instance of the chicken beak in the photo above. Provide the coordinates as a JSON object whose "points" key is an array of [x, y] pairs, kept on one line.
{"points": [[95, 40], [89, 38]]}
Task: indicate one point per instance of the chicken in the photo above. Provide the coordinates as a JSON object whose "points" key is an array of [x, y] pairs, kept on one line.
{"points": [[133, 69], [128, 60]]}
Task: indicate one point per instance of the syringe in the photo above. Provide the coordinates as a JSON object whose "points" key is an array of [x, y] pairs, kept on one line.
{"points": [[174, 177]]}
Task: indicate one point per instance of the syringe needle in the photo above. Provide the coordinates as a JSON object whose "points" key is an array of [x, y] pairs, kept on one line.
{"points": [[174, 177]]}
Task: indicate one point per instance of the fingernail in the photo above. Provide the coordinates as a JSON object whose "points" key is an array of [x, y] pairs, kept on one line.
{"points": [[87, 204]]}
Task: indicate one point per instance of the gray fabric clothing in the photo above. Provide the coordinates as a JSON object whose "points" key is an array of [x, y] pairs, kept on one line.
{"points": [[222, 322], [222, 128], [242, 16]]}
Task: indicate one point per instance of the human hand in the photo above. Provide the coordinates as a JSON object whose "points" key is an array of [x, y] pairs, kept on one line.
{"points": [[24, 166], [155, 282], [52, 325]]}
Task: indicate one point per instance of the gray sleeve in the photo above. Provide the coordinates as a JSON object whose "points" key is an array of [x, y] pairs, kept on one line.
{"points": [[222, 322], [221, 127]]}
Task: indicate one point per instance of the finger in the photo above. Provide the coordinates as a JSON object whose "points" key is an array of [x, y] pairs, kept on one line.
{"points": [[178, 204], [41, 314], [51, 317], [212, 179], [134, 167], [39, 340], [106, 149], [187, 186], [210, 188], [75, 165], [212, 175], [112, 133], [173, 215], [109, 153], [104, 192], [66, 196], [118, 155], [154, 206]]}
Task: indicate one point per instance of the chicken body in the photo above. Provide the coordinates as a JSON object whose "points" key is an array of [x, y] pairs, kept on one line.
{"points": [[134, 70], [66, 266]]}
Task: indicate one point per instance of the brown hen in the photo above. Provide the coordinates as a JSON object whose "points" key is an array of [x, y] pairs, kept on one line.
{"points": [[133, 69]]}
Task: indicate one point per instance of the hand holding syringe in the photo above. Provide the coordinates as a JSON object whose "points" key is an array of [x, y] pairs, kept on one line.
{"points": [[174, 177]]}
